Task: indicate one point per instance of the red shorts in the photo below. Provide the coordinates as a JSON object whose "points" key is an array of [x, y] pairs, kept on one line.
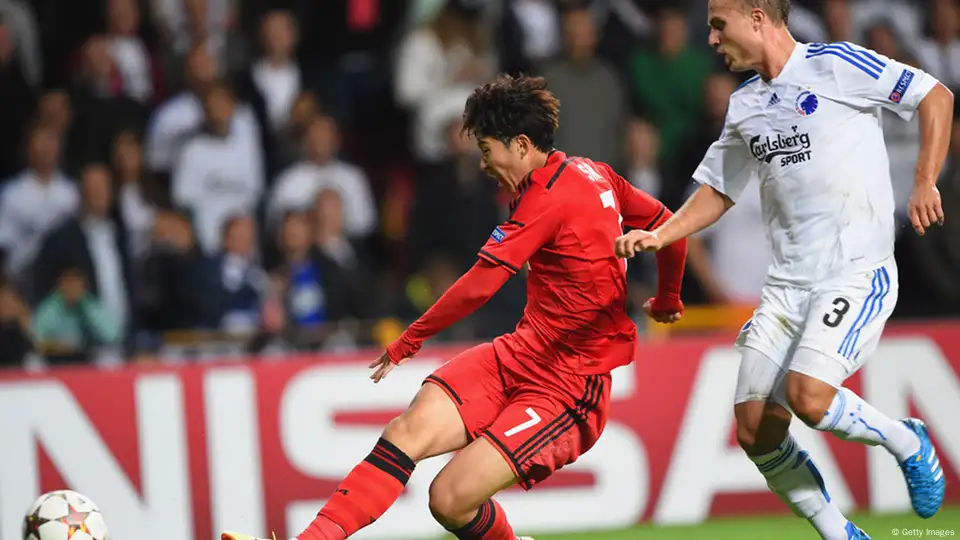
{"points": [[539, 419]]}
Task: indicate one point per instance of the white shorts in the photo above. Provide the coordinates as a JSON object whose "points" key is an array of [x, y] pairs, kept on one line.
{"points": [[841, 319]]}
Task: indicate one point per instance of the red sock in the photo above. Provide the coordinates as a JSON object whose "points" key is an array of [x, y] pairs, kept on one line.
{"points": [[489, 524], [364, 495]]}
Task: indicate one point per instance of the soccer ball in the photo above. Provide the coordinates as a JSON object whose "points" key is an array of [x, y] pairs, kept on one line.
{"points": [[64, 515]]}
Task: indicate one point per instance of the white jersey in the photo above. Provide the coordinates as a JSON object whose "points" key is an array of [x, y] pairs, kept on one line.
{"points": [[813, 139]]}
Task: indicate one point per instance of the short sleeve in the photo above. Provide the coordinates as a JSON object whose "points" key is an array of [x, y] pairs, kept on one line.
{"points": [[534, 223], [868, 78], [728, 164]]}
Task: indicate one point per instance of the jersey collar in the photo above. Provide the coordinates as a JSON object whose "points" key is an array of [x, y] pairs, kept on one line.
{"points": [[796, 57]]}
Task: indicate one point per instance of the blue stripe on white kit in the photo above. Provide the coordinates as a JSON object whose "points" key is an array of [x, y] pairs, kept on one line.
{"points": [[858, 57], [872, 307]]}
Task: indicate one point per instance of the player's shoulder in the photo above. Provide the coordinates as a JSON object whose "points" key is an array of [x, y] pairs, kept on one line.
{"points": [[843, 58], [555, 172], [745, 97]]}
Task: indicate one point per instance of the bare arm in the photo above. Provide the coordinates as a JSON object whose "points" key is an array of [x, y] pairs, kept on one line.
{"points": [[936, 121], [701, 210]]}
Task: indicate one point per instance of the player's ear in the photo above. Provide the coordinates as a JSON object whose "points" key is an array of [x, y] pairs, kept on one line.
{"points": [[756, 17], [523, 145]]}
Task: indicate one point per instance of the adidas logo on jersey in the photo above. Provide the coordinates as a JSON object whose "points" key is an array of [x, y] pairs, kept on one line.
{"points": [[790, 148], [774, 99]]}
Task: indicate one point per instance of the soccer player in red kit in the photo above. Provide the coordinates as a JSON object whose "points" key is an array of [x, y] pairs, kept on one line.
{"points": [[534, 400]]}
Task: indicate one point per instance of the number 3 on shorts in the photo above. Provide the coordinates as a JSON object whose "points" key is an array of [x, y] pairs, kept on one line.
{"points": [[840, 308], [534, 420]]}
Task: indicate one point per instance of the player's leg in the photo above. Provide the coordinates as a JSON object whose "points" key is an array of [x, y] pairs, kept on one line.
{"points": [[843, 328], [461, 495], [459, 399], [540, 431], [763, 425]]}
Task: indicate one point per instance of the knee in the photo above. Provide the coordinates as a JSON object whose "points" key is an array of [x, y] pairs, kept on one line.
{"points": [[448, 506], [407, 433], [809, 398], [808, 407]]}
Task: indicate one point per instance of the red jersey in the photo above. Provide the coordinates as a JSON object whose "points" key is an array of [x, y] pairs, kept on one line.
{"points": [[564, 221]]}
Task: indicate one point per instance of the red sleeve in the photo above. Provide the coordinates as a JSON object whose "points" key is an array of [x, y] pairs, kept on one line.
{"points": [[471, 291], [534, 223], [641, 211]]}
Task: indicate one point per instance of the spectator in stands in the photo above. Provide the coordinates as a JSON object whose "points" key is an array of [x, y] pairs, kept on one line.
{"points": [[186, 24], [139, 194], [289, 140], [679, 172], [34, 202], [177, 286], [273, 82], [101, 107], [836, 19], [529, 34], [242, 280], [643, 151], [275, 77], [15, 328], [314, 287], [96, 245], [455, 206], [16, 101], [71, 322], [218, 174], [297, 187], [128, 51], [673, 98], [22, 38], [593, 97], [939, 54], [179, 118], [438, 65]]}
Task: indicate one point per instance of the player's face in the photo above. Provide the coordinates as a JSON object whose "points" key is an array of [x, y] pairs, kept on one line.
{"points": [[734, 33], [504, 163]]}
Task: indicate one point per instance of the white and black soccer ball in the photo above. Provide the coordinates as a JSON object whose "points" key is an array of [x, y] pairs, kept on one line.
{"points": [[64, 515]]}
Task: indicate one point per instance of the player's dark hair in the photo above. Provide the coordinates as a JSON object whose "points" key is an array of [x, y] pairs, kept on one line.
{"points": [[511, 106], [777, 10]]}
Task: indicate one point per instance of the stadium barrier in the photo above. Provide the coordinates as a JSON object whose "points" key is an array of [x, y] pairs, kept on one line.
{"points": [[183, 452]]}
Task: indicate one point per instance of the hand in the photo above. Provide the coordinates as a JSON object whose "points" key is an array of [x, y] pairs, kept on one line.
{"points": [[397, 353], [667, 310], [924, 208], [382, 366], [636, 241]]}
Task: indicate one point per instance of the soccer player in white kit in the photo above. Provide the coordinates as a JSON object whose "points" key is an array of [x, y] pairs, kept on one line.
{"points": [[807, 128]]}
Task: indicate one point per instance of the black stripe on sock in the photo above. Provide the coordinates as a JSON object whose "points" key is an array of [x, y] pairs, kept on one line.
{"points": [[392, 469], [449, 388], [491, 519], [468, 531], [401, 459]]}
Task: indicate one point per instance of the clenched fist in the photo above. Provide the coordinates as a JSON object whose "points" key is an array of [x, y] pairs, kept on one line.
{"points": [[636, 241]]}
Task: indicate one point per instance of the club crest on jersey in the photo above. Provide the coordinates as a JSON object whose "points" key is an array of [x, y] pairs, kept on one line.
{"points": [[902, 84], [498, 235], [806, 103]]}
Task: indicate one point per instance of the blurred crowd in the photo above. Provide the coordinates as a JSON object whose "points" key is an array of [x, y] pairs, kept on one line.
{"points": [[290, 173]]}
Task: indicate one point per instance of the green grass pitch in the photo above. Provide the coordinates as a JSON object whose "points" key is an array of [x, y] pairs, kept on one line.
{"points": [[946, 524]]}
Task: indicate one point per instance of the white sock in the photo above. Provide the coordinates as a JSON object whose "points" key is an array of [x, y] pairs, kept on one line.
{"points": [[793, 476], [851, 418]]}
